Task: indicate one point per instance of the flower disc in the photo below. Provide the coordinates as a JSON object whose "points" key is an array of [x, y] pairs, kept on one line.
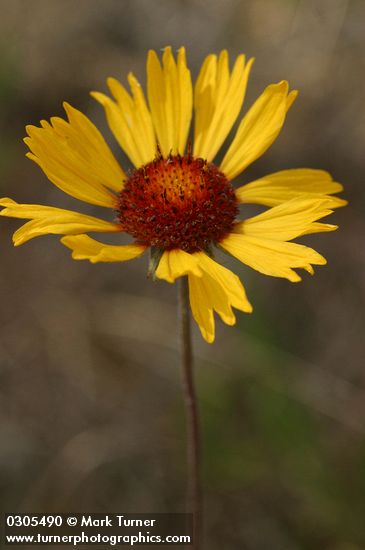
{"points": [[178, 202]]}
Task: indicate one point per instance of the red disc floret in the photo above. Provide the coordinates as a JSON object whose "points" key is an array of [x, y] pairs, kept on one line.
{"points": [[178, 202]]}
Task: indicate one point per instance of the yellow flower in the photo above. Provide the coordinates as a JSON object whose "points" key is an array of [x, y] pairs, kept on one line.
{"points": [[176, 201]]}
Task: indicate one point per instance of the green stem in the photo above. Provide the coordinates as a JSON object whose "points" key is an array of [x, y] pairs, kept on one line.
{"points": [[195, 496]]}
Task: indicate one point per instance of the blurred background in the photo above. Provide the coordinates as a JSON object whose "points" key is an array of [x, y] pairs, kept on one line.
{"points": [[91, 414]]}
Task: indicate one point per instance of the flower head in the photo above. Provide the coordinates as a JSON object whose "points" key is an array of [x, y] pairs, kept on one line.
{"points": [[175, 201]]}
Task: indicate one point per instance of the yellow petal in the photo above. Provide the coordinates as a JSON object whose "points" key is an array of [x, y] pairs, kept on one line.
{"points": [[185, 90], [217, 290], [130, 120], [170, 98], [317, 227], [218, 99], [75, 157], [288, 220], [175, 263], [204, 99], [120, 128], [50, 220], [201, 308], [292, 96], [85, 248], [282, 186], [227, 280], [84, 136], [272, 257], [212, 287], [258, 129]]}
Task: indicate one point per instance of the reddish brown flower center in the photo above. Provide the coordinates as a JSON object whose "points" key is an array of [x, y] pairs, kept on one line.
{"points": [[178, 202]]}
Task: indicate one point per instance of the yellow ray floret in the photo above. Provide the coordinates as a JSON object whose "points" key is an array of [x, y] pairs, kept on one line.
{"points": [[218, 98], [282, 186], [260, 242], [170, 97], [218, 290], [47, 219], [85, 248], [212, 287], [289, 220], [270, 257], [76, 158], [175, 263], [130, 120], [258, 128]]}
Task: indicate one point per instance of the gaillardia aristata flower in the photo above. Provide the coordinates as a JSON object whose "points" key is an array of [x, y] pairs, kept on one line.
{"points": [[175, 201]]}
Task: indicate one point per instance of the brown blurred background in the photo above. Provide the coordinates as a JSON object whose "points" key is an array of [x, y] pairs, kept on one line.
{"points": [[91, 410]]}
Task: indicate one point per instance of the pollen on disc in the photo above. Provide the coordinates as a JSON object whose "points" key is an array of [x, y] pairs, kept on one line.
{"points": [[178, 202]]}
